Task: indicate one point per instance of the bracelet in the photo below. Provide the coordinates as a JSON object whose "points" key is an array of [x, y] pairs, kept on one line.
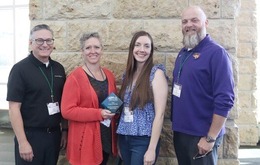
{"points": [[64, 129]]}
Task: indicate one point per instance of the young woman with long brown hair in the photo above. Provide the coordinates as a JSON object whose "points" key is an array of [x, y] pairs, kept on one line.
{"points": [[144, 93]]}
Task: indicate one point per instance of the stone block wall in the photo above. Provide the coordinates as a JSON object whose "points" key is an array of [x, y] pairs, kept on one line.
{"points": [[247, 54], [117, 20]]}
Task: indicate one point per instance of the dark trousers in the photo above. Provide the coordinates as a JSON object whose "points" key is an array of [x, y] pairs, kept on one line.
{"points": [[186, 148], [45, 146], [133, 148], [105, 158]]}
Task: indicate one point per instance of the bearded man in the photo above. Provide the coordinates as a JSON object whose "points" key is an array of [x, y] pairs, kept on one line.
{"points": [[203, 92]]}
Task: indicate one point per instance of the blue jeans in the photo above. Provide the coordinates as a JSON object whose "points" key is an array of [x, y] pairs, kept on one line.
{"points": [[186, 147], [133, 148]]}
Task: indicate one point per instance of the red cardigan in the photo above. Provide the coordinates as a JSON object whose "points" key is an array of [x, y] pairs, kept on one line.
{"points": [[80, 106]]}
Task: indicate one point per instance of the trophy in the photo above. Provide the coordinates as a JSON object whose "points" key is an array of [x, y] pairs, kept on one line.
{"points": [[112, 103]]}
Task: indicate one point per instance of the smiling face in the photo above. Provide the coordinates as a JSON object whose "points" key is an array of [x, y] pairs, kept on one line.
{"points": [[41, 51], [92, 50], [194, 23], [142, 49]]}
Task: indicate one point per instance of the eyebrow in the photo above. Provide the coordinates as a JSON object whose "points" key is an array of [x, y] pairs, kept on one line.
{"points": [[144, 43]]}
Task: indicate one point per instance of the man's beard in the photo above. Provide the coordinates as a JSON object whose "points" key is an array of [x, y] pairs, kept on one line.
{"points": [[190, 41]]}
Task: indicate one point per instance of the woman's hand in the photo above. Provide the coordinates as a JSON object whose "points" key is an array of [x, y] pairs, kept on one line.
{"points": [[106, 114], [149, 157]]}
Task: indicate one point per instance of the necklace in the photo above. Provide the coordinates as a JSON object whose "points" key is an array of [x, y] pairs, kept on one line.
{"points": [[93, 74]]}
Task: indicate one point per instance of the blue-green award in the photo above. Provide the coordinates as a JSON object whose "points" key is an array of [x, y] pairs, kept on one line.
{"points": [[112, 103]]}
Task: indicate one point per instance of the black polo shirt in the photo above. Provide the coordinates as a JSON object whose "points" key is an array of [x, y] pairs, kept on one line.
{"points": [[28, 85]]}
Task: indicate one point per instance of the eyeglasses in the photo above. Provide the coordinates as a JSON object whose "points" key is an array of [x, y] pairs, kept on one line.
{"points": [[198, 155], [40, 41]]}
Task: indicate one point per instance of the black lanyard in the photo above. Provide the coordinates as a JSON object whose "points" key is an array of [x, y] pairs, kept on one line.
{"points": [[50, 84], [183, 60]]}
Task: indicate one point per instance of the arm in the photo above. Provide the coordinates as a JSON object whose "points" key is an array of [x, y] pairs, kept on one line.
{"points": [[216, 125], [25, 148], [160, 92], [72, 105], [64, 135], [223, 85]]}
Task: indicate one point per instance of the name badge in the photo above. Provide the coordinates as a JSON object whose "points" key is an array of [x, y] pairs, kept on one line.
{"points": [[176, 91], [106, 122], [53, 108], [129, 116]]}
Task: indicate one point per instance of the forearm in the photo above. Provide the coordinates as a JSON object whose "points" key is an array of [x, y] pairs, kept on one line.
{"points": [[160, 91], [25, 148], [156, 132], [216, 125], [17, 122]]}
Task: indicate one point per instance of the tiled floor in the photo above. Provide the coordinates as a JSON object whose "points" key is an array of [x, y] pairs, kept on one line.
{"points": [[247, 155]]}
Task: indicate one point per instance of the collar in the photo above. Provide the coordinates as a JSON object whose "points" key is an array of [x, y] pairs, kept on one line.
{"points": [[37, 62]]}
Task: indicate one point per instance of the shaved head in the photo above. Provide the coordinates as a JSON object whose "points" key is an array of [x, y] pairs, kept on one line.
{"points": [[194, 23], [194, 11]]}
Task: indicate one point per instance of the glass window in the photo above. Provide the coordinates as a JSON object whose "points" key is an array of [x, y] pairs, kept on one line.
{"points": [[21, 33], [21, 2], [14, 37], [6, 3], [6, 39]]}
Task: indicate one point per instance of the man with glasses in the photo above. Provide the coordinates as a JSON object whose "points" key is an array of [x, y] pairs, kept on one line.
{"points": [[34, 93]]}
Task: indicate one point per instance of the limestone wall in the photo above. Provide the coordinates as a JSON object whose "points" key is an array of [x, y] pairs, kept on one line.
{"points": [[247, 54], [117, 20]]}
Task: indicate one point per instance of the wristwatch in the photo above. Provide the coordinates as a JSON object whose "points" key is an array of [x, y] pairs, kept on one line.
{"points": [[210, 139]]}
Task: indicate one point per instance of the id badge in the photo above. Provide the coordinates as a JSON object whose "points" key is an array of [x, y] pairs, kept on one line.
{"points": [[106, 122], [128, 117], [53, 108], [176, 91]]}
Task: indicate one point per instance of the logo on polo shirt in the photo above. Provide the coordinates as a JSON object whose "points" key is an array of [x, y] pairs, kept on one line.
{"points": [[58, 76], [196, 55]]}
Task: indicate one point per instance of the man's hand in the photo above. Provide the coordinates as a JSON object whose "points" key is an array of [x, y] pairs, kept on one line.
{"points": [[64, 140], [204, 146], [26, 151]]}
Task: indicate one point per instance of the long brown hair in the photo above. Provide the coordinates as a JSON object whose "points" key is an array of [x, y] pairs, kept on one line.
{"points": [[142, 92]]}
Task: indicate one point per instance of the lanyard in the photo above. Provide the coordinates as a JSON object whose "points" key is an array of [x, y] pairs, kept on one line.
{"points": [[50, 85], [183, 60]]}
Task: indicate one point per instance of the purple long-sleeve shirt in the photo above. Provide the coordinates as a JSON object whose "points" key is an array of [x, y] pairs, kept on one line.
{"points": [[206, 79]]}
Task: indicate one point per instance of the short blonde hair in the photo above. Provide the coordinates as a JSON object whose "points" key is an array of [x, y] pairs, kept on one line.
{"points": [[87, 36]]}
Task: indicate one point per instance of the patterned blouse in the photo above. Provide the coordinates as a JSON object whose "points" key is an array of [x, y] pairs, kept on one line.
{"points": [[143, 118]]}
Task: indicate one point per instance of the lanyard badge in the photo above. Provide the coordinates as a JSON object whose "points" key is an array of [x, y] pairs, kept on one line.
{"points": [[128, 115], [176, 91], [53, 107]]}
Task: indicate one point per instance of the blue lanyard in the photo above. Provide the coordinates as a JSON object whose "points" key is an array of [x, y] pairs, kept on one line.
{"points": [[50, 84], [183, 60]]}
